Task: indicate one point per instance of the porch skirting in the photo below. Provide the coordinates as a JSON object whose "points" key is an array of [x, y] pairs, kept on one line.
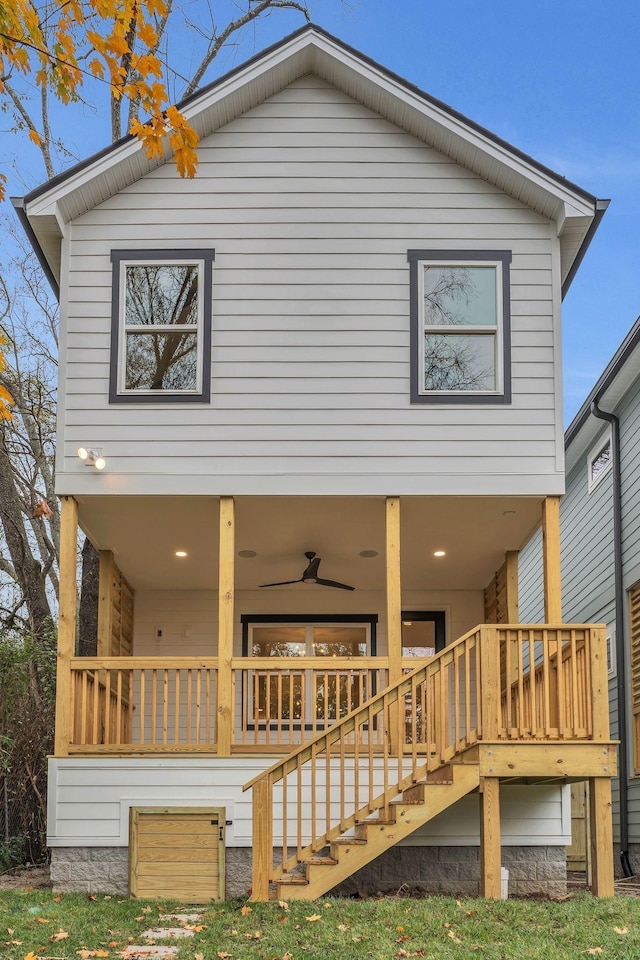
{"points": [[446, 870]]}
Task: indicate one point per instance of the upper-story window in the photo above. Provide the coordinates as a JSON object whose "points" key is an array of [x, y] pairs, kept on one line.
{"points": [[599, 461], [460, 326], [161, 325]]}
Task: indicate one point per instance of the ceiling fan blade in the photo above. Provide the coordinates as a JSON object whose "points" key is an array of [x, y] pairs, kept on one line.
{"points": [[281, 583], [333, 583]]}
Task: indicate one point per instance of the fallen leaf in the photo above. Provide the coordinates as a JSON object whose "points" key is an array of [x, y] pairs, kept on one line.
{"points": [[595, 950], [144, 909], [400, 929], [403, 938], [15, 943], [9, 930], [92, 897], [139, 918], [113, 943], [283, 904], [57, 898], [313, 917], [453, 937], [196, 927], [287, 956], [327, 906], [621, 930], [60, 935], [31, 956], [221, 954], [343, 927], [198, 956], [42, 920], [106, 898], [245, 910]]}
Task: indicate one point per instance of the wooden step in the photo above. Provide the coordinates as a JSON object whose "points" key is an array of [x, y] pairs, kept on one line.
{"points": [[346, 840], [361, 829], [288, 879], [331, 861]]}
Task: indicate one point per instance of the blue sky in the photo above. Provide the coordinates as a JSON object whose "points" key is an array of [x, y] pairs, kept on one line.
{"points": [[556, 78]]}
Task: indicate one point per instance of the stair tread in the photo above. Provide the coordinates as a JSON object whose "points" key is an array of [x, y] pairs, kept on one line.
{"points": [[380, 822], [348, 840], [322, 860], [292, 878]]}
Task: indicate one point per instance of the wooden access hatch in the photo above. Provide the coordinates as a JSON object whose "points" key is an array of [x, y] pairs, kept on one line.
{"points": [[177, 853]]}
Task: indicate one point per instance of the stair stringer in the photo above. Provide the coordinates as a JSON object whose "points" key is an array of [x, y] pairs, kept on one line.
{"points": [[350, 857]]}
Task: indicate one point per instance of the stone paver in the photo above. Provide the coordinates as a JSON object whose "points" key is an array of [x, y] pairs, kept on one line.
{"points": [[181, 917], [166, 933], [140, 952]]}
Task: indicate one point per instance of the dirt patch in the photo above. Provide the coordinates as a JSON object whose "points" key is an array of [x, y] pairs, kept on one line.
{"points": [[23, 878]]}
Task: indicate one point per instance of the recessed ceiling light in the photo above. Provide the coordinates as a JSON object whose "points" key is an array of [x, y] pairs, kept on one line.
{"points": [[181, 553], [247, 553], [368, 553], [439, 553], [508, 513]]}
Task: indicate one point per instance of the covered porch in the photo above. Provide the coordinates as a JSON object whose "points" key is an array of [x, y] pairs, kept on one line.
{"points": [[535, 693]]}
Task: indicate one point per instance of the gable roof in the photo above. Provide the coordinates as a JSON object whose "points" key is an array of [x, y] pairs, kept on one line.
{"points": [[611, 387], [310, 49]]}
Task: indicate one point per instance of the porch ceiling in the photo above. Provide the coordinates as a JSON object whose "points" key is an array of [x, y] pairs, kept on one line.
{"points": [[144, 533]]}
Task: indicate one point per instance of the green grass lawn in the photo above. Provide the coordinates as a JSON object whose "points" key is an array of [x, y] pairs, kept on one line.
{"points": [[76, 927]]}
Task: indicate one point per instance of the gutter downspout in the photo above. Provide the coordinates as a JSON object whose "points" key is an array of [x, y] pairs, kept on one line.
{"points": [[623, 763]]}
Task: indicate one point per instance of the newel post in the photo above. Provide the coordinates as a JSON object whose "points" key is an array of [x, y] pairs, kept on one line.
{"points": [[226, 578], [262, 837], [67, 610], [489, 707]]}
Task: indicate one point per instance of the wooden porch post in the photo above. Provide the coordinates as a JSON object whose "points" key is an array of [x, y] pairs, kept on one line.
{"points": [[601, 837], [600, 807], [67, 608], [551, 560], [104, 603], [394, 607], [511, 586], [490, 842], [225, 627]]}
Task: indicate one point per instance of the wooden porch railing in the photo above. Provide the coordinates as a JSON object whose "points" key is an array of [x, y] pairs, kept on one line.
{"points": [[143, 704], [495, 683], [154, 705], [281, 702]]}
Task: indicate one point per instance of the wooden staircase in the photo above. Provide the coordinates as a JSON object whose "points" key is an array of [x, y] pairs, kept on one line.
{"points": [[371, 837], [490, 706]]}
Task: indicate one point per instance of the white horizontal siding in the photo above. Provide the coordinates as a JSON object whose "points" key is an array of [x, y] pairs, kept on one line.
{"points": [[90, 799], [311, 202]]}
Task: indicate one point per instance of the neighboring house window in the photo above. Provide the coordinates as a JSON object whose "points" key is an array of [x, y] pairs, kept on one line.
{"points": [[599, 461], [460, 326], [634, 621], [161, 325]]}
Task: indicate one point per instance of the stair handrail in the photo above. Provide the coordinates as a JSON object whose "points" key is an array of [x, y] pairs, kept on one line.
{"points": [[336, 730]]}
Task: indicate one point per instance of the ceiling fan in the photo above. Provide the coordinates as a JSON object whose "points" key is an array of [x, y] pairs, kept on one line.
{"points": [[310, 575]]}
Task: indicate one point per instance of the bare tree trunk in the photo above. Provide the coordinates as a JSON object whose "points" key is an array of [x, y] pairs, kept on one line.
{"points": [[27, 568], [88, 622]]}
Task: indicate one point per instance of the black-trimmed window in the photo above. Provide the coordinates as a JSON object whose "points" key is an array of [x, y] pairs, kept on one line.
{"points": [[307, 697], [599, 461], [460, 326], [161, 325]]}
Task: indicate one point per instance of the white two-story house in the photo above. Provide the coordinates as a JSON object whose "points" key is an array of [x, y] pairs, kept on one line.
{"points": [[310, 409]]}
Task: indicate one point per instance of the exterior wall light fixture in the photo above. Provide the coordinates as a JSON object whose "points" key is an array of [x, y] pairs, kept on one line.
{"points": [[92, 458]]}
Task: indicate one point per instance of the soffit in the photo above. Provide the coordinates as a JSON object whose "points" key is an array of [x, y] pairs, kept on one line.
{"points": [[145, 532]]}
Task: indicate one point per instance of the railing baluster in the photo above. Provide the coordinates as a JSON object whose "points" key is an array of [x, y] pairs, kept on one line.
{"points": [[573, 694], [142, 708], [154, 705], [189, 717], [176, 718], [106, 736]]}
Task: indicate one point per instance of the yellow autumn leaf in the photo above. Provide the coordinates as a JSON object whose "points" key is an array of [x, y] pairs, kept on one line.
{"points": [[283, 904], [313, 917], [621, 930], [595, 950], [222, 955], [245, 910], [31, 956], [60, 935]]}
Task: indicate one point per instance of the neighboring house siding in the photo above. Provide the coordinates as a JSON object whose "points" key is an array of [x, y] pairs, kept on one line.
{"points": [[311, 202]]}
